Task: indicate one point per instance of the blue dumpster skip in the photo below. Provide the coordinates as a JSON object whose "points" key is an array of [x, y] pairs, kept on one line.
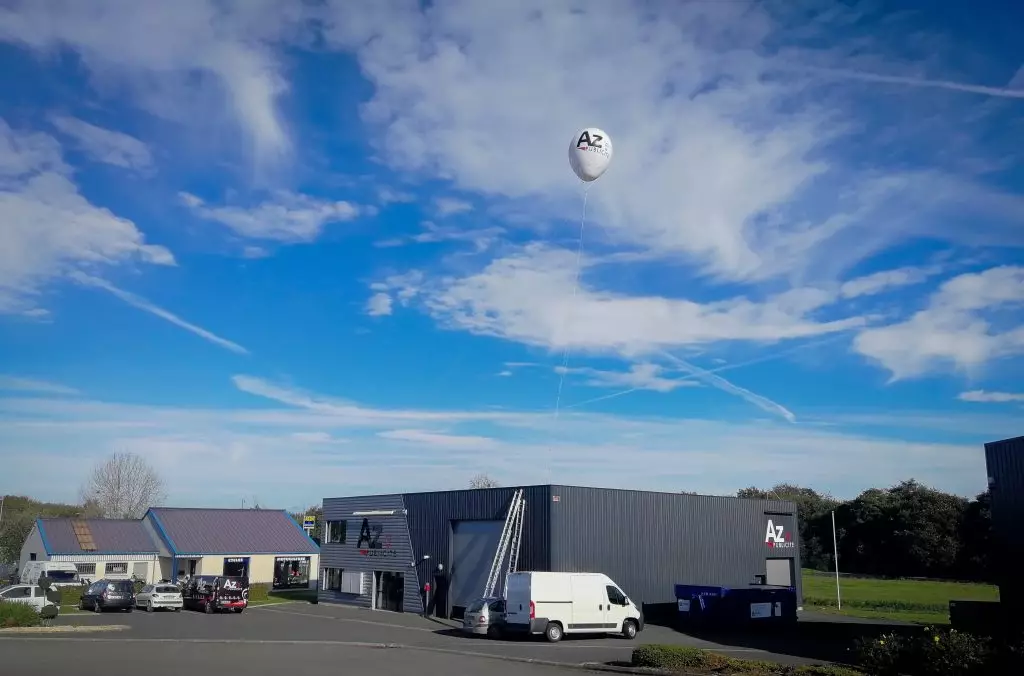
{"points": [[744, 606]]}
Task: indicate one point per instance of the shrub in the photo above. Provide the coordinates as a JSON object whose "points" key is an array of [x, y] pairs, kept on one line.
{"points": [[930, 653], [696, 661], [259, 592], [18, 615]]}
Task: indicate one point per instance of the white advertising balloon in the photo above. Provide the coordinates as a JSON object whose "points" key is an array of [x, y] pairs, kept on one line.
{"points": [[590, 153]]}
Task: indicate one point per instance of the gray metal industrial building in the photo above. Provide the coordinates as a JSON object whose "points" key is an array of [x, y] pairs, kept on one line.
{"points": [[1005, 463], [379, 551]]}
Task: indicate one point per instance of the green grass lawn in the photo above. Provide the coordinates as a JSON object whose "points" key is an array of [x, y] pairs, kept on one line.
{"points": [[922, 601]]}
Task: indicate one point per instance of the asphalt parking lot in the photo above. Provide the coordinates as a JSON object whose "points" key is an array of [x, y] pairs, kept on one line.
{"points": [[311, 636]]}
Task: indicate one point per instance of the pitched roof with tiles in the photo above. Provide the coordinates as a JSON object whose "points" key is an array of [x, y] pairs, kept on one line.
{"points": [[231, 531], [111, 536]]}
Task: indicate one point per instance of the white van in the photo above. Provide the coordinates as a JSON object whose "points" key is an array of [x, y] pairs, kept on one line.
{"points": [[62, 573], [554, 604]]}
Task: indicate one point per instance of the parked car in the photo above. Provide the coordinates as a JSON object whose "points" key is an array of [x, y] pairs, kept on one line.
{"points": [[156, 596], [554, 604], [30, 594], [108, 595], [484, 617], [215, 593]]}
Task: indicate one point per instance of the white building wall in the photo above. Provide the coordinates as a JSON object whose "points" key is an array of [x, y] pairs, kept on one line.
{"points": [[33, 545], [261, 568], [144, 566]]}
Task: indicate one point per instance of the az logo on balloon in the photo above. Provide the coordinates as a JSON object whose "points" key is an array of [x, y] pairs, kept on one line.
{"points": [[593, 142], [778, 537]]}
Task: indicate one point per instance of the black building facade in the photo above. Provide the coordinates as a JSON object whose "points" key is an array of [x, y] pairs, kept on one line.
{"points": [[1005, 463], [379, 551]]}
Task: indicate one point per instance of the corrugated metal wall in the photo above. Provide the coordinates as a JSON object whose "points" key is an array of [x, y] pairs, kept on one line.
{"points": [[431, 515], [649, 542], [1005, 462], [347, 556]]}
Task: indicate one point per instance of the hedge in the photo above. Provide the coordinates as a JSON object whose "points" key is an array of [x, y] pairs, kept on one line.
{"points": [[877, 604], [684, 660], [18, 615], [940, 652]]}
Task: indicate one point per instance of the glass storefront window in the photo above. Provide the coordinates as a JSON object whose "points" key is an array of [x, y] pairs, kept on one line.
{"points": [[291, 572], [236, 566]]}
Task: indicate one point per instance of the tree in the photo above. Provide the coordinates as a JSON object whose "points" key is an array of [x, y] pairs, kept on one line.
{"points": [[317, 512], [123, 487], [483, 481]]}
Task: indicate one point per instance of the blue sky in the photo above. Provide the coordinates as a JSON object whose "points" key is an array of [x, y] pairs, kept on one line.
{"points": [[330, 247]]}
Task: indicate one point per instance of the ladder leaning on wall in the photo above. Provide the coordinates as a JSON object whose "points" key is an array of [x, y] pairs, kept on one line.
{"points": [[508, 546]]}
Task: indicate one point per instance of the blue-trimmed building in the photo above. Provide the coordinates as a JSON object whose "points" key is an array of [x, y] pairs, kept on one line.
{"points": [[168, 542]]}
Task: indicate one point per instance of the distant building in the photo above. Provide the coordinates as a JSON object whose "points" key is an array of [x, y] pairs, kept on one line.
{"points": [[265, 545]]}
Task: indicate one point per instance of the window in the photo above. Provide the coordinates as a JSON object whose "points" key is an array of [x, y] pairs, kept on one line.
{"points": [[18, 592], [86, 568], [335, 532], [32, 556], [615, 597], [291, 571], [118, 568], [351, 582], [332, 579]]}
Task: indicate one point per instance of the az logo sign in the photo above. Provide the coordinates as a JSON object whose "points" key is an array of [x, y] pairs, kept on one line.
{"points": [[776, 536]]}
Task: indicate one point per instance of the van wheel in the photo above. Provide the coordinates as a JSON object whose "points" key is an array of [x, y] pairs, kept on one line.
{"points": [[629, 629], [553, 632]]}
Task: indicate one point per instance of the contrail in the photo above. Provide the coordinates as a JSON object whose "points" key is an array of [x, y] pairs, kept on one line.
{"points": [[764, 403], [727, 367], [1002, 92], [146, 306]]}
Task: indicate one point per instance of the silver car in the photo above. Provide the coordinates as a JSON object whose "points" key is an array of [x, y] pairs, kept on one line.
{"points": [[484, 617]]}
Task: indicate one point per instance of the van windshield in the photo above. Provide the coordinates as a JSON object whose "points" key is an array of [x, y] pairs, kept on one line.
{"points": [[61, 575]]}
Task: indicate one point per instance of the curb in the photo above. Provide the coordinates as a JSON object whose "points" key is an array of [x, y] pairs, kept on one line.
{"points": [[70, 628], [611, 668]]}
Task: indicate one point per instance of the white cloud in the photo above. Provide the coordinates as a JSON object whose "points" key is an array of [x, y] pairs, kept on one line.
{"points": [[8, 382], [388, 196], [49, 229], [480, 238], [288, 217], [886, 280], [155, 50], [424, 438], [157, 311], [959, 327], [722, 161], [981, 396], [104, 145], [438, 449], [527, 297], [644, 376], [379, 305], [449, 206]]}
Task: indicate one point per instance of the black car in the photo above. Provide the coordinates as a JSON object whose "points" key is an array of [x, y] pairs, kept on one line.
{"points": [[109, 595], [214, 593]]}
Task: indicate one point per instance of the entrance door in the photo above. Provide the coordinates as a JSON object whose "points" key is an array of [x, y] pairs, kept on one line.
{"points": [[779, 572], [390, 591]]}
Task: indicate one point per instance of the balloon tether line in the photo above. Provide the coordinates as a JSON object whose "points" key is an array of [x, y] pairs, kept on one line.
{"points": [[575, 291]]}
